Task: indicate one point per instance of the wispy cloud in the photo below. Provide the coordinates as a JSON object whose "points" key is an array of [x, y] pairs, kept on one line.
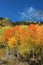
{"points": [[31, 14]]}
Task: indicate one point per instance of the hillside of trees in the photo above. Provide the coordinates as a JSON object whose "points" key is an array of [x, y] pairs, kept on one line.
{"points": [[21, 42], [6, 21]]}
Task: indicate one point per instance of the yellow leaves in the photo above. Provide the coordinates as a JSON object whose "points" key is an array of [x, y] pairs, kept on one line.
{"points": [[2, 31], [23, 26], [24, 48], [24, 37], [24, 33], [12, 42]]}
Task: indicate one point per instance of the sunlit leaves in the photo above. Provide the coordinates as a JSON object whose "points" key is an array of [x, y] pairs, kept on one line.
{"points": [[3, 29], [12, 42], [24, 37], [32, 33]]}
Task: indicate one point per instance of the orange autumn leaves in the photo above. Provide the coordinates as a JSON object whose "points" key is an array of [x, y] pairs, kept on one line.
{"points": [[21, 35], [11, 42]]}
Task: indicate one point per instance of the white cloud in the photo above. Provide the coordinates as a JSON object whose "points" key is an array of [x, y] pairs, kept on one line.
{"points": [[23, 14], [31, 14]]}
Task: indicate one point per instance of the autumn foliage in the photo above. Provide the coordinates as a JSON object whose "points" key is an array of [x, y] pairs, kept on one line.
{"points": [[24, 37]]}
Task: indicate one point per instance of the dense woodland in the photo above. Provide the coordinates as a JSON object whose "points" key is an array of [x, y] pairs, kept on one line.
{"points": [[21, 40]]}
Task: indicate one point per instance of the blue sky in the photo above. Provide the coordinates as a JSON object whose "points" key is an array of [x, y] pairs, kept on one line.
{"points": [[15, 10]]}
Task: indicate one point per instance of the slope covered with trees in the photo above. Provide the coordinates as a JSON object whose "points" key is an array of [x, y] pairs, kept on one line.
{"points": [[23, 40]]}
